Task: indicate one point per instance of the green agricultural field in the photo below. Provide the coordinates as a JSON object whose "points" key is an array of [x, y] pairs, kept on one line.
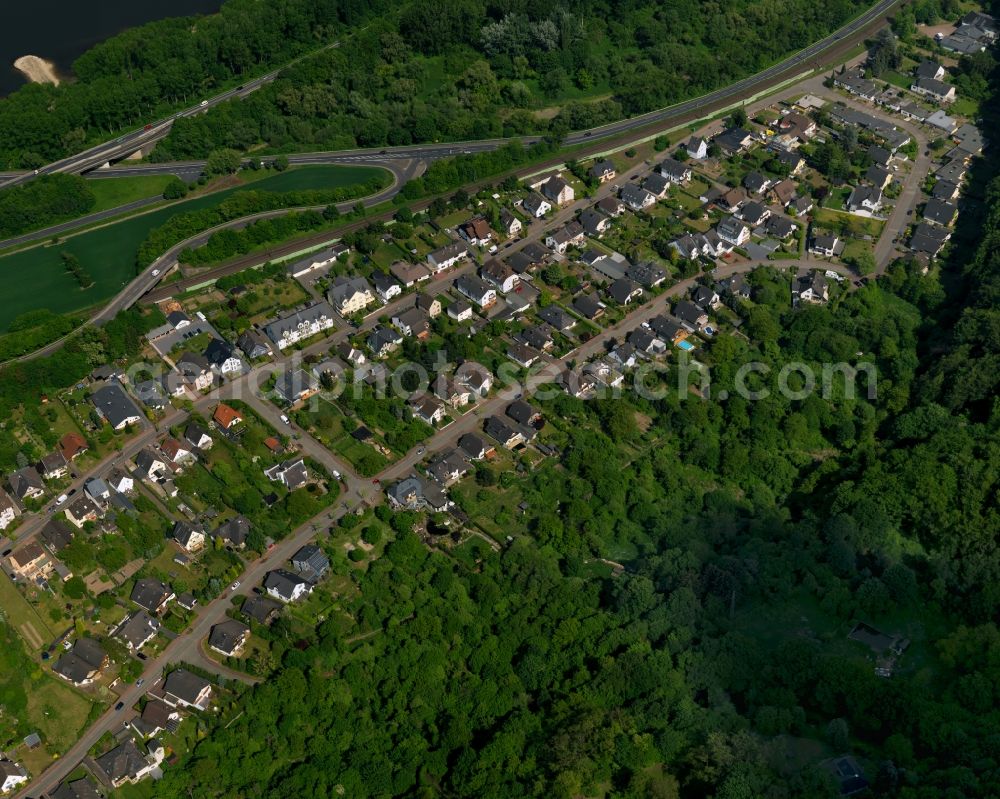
{"points": [[36, 278], [113, 192]]}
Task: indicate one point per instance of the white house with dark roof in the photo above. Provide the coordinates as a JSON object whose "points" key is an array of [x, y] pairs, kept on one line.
{"points": [[288, 330]]}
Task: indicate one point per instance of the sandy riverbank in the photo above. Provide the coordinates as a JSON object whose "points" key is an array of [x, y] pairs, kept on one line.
{"points": [[37, 70]]}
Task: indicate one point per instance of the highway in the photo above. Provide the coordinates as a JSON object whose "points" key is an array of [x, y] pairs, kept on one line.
{"points": [[805, 60]]}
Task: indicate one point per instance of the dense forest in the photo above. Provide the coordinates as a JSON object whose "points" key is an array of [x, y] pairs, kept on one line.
{"points": [[420, 70]]}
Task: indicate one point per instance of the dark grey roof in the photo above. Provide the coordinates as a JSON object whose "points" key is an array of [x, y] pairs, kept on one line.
{"points": [[218, 351], [260, 608], [621, 290], [473, 445], [283, 582], [587, 305], [56, 533], [939, 211], [646, 273], [23, 480], [556, 317], [521, 412], [235, 530], [137, 629], [149, 593], [77, 789], [114, 404], [151, 393], [182, 533], [498, 429], [226, 636], [184, 685], [124, 762], [311, 562]]}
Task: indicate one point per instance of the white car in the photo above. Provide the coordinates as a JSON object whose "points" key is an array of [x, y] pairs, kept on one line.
{"points": [[285, 419], [234, 586], [155, 273], [204, 103], [61, 499]]}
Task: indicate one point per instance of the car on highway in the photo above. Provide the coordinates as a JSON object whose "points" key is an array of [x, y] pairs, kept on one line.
{"points": [[119, 706]]}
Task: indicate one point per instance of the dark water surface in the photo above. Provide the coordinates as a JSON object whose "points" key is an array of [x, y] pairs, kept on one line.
{"points": [[61, 30]]}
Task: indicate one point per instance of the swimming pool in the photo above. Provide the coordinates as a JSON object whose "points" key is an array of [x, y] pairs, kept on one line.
{"points": [[685, 345]]}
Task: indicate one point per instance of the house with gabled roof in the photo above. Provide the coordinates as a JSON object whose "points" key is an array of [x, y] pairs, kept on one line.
{"points": [[152, 595], [9, 510], [285, 586], [536, 205], [226, 417], [228, 637], [603, 170], [115, 407], [182, 688], [26, 483], [558, 191], [188, 536]]}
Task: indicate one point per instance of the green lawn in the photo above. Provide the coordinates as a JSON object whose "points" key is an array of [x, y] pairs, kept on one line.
{"points": [[108, 253], [113, 192]]}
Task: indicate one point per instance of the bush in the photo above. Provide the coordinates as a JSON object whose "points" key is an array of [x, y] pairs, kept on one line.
{"points": [[356, 555]]}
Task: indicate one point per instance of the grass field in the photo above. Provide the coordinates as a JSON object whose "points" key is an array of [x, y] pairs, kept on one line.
{"points": [[36, 277], [23, 617], [112, 192]]}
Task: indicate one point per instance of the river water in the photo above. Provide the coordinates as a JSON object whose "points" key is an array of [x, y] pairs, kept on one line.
{"points": [[60, 30]]}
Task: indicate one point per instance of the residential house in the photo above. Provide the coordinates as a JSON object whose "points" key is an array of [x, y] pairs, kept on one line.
{"points": [[412, 323], [152, 595], [115, 407], [414, 493], [929, 239], [119, 480], [797, 126], [455, 394], [182, 688], [29, 561], [127, 764], [409, 274], [222, 355], [253, 344], [929, 70], [705, 298], [781, 227], [623, 291], [939, 212], [460, 311], [880, 156], [189, 537], [386, 286], [291, 473], [570, 235], [733, 231], [641, 340], [228, 637], [261, 609], [82, 663], [603, 171], [557, 317], [878, 176], [177, 454], [448, 467], [791, 160], [636, 197], [611, 206], [800, 206], [824, 244], [226, 417], [783, 191], [510, 224], [476, 231], [447, 256], [26, 483], [427, 409], [657, 185], [137, 630], [311, 562], [754, 214], [81, 510], [351, 354], [11, 775], [197, 436], [523, 413], [853, 82], [647, 274], [558, 191], [945, 190], [285, 586], [522, 355], [537, 338], [536, 205], [318, 260], [476, 290], [350, 295], [697, 148], [476, 377], [383, 340], [668, 329], [9, 510], [503, 433], [811, 288], [151, 394], [300, 325], [233, 532], [500, 275], [428, 304], [149, 464], [594, 223], [756, 183], [475, 447], [53, 466], [195, 370], [674, 171], [940, 120], [732, 200], [72, 445], [690, 315], [935, 89], [588, 306], [864, 200], [734, 140]]}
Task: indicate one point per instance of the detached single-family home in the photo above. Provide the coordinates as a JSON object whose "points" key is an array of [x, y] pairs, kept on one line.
{"points": [[733, 231], [26, 483], [184, 689], [476, 231], [603, 171], [536, 205], [53, 466], [253, 344], [690, 315], [864, 200], [152, 595], [115, 407], [637, 198], [127, 764], [507, 435], [228, 637], [137, 630], [756, 183], [476, 290], [697, 148], [222, 355], [291, 473], [383, 340], [409, 274], [824, 244], [226, 417], [197, 436], [940, 212], [500, 275], [350, 295], [674, 171], [754, 214], [189, 537], [427, 409], [412, 323], [558, 191], [611, 206], [734, 140], [594, 222], [29, 561], [318, 260], [929, 70], [623, 291], [460, 311], [509, 223], [9, 510], [286, 586], [72, 445], [428, 304], [81, 664], [570, 235], [195, 370], [149, 464], [233, 532], [447, 256], [811, 288], [781, 227], [386, 286], [151, 394], [475, 447], [11, 775]]}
